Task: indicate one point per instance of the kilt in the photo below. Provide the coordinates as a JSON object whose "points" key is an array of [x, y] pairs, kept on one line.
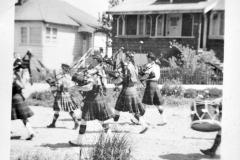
{"points": [[152, 95], [129, 101], [96, 108], [20, 109], [64, 102]]}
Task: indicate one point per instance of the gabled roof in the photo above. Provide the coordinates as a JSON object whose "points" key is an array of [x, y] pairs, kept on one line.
{"points": [[54, 11], [152, 7]]}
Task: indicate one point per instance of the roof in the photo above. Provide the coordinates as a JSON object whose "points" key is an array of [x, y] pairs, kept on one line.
{"points": [[220, 6], [54, 11], [153, 7]]}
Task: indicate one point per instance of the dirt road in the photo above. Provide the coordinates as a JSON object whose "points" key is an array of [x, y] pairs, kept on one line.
{"points": [[174, 141]]}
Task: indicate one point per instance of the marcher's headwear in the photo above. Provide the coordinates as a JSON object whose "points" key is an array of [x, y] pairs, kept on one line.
{"points": [[98, 57], [151, 55]]}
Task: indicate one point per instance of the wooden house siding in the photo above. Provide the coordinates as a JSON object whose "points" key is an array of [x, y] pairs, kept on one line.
{"points": [[154, 44], [67, 47]]}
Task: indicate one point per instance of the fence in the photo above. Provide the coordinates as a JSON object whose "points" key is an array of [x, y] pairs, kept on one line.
{"points": [[188, 77], [207, 76]]}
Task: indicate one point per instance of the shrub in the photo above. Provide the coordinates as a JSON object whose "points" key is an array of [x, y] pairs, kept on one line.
{"points": [[189, 66], [212, 93], [117, 147], [176, 101], [172, 88], [190, 93]]}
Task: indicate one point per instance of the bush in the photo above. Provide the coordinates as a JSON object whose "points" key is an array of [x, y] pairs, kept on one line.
{"points": [[46, 98], [172, 88], [117, 147], [212, 93], [176, 101], [190, 93]]}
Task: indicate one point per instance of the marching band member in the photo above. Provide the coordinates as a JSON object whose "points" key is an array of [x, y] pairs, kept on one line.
{"points": [[20, 110], [63, 99], [128, 100], [152, 95], [95, 105], [212, 151]]}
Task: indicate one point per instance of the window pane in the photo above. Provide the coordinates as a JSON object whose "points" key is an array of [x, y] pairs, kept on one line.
{"points": [[120, 23], [23, 34], [131, 24], [148, 25], [215, 25], [35, 35], [141, 22], [160, 22], [222, 24], [187, 25], [54, 31], [48, 31]]}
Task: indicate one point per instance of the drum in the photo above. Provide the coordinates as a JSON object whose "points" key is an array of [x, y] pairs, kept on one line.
{"points": [[205, 116]]}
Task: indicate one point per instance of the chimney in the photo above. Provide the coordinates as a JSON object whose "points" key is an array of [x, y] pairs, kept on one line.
{"points": [[20, 2]]}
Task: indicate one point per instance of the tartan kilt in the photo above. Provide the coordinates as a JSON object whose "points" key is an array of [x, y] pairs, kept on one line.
{"points": [[20, 110], [129, 101], [96, 108], [64, 102], [152, 95]]}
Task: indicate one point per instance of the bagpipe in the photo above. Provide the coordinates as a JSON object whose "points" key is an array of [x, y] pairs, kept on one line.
{"points": [[53, 81], [25, 63]]}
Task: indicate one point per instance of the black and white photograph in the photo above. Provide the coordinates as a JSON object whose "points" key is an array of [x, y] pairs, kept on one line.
{"points": [[120, 79]]}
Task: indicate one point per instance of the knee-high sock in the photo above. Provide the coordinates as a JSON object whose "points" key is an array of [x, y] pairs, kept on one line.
{"points": [[55, 117], [72, 114], [28, 126], [82, 129]]}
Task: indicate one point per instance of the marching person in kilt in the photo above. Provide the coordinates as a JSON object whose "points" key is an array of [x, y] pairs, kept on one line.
{"points": [[152, 94], [63, 99], [128, 99], [20, 109], [212, 151], [95, 105]]}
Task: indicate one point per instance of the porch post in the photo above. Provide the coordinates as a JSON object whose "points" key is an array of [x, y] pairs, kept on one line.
{"points": [[205, 30], [199, 32]]}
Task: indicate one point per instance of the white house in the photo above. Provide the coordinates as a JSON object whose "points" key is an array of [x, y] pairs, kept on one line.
{"points": [[56, 31]]}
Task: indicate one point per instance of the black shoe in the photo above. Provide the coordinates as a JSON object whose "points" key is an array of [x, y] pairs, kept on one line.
{"points": [[208, 152], [30, 137], [73, 144], [51, 126]]}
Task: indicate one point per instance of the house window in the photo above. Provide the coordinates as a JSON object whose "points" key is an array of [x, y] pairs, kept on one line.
{"points": [[131, 25], [51, 35], [31, 35], [159, 25], [144, 25], [120, 25], [148, 25], [24, 35], [48, 34], [216, 25], [187, 25], [140, 25]]}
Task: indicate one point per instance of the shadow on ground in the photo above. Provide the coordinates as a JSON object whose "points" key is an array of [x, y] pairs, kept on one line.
{"points": [[192, 156], [63, 145]]}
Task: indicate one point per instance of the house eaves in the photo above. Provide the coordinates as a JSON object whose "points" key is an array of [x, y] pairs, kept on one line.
{"points": [[151, 7]]}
